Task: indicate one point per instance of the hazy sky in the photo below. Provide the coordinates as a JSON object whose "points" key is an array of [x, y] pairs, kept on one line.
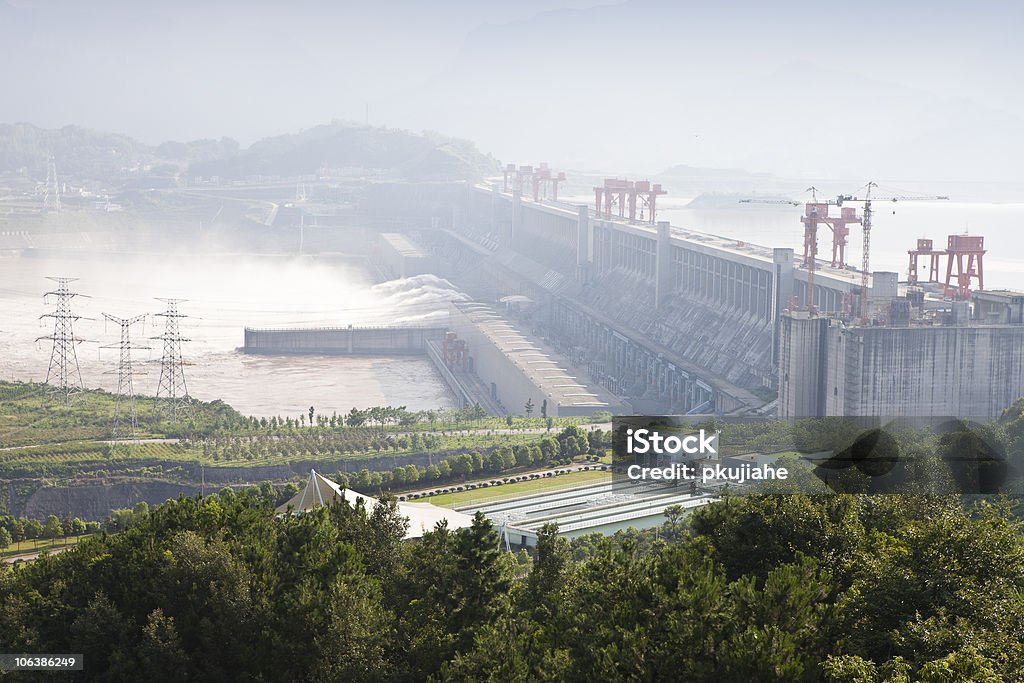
{"points": [[824, 88]]}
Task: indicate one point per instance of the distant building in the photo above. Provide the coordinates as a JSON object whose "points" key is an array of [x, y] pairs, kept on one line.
{"points": [[963, 365]]}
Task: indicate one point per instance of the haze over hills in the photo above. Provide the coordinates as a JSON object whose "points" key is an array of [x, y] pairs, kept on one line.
{"points": [[83, 154], [818, 89], [428, 156]]}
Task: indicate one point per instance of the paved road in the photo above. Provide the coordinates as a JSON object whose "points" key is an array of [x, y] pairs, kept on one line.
{"points": [[436, 432], [433, 489], [28, 557]]}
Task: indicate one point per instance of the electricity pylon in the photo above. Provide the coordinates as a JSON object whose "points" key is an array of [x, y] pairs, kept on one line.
{"points": [[63, 375], [51, 200], [124, 425], [172, 399]]}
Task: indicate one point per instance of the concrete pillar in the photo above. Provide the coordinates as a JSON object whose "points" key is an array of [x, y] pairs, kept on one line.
{"points": [[584, 255], [517, 213], [783, 260], [803, 366], [496, 203], [663, 264]]}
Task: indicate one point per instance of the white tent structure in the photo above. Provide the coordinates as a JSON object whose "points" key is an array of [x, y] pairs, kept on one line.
{"points": [[321, 491]]}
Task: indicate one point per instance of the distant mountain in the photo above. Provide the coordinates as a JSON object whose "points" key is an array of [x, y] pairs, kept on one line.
{"points": [[339, 145], [82, 155]]}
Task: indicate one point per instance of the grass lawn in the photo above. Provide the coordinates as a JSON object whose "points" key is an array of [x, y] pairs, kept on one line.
{"points": [[517, 490], [39, 545]]}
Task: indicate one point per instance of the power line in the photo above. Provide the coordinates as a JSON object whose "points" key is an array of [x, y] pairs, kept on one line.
{"points": [[63, 375], [172, 399], [124, 426]]}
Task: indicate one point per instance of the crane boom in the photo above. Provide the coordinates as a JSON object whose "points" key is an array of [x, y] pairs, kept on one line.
{"points": [[866, 265]]}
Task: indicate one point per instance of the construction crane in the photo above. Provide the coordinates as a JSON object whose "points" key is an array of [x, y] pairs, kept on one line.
{"points": [[866, 221], [815, 212]]}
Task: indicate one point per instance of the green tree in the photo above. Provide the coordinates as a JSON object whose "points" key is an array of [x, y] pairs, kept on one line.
{"points": [[53, 528], [479, 577], [160, 652], [33, 529], [478, 460], [355, 417], [549, 449], [550, 571]]}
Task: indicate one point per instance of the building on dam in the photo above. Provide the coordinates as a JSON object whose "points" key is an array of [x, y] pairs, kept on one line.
{"points": [[967, 362]]}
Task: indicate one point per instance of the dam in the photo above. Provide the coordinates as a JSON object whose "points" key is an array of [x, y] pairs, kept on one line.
{"points": [[654, 318], [673, 320], [351, 340], [669, 319]]}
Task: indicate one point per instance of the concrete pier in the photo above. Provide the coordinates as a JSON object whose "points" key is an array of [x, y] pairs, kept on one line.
{"points": [[367, 341]]}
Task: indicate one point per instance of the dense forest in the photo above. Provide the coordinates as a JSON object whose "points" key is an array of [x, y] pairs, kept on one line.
{"points": [[757, 588]]}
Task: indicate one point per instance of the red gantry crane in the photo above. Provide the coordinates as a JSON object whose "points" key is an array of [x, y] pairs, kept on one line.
{"points": [[542, 180], [618, 194], [816, 212]]}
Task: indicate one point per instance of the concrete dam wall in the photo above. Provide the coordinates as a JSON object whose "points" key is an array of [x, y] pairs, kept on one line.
{"points": [[831, 369], [366, 341]]}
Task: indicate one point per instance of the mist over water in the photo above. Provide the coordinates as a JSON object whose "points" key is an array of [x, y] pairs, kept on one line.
{"points": [[224, 294]]}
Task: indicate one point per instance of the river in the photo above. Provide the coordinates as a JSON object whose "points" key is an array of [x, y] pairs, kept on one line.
{"points": [[224, 294]]}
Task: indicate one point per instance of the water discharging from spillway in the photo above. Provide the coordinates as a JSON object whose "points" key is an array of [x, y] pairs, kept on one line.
{"points": [[224, 294]]}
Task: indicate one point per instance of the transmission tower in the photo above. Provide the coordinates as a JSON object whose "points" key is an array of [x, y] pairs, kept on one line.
{"points": [[51, 201], [172, 399], [124, 424], [63, 376]]}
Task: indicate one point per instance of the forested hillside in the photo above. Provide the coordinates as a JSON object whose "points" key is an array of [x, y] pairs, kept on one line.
{"points": [[768, 588], [83, 155]]}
